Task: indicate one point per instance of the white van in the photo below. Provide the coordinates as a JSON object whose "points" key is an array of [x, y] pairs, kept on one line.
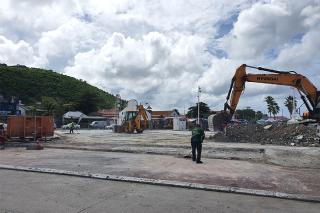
{"points": [[98, 124]]}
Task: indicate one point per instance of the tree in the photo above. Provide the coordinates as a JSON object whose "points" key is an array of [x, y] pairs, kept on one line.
{"points": [[31, 84], [289, 104], [49, 104], [248, 114], [259, 115], [88, 102], [193, 111], [272, 105], [275, 109], [269, 101]]}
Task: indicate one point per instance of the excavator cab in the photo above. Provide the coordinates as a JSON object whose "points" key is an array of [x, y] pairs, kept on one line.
{"points": [[130, 115]]}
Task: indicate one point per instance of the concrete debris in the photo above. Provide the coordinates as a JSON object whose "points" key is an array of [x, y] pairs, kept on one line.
{"points": [[278, 134], [267, 127]]}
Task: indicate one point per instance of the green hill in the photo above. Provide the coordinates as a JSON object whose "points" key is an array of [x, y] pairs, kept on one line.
{"points": [[30, 85]]}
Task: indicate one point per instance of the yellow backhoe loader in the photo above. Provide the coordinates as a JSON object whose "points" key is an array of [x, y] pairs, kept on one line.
{"points": [[134, 121]]}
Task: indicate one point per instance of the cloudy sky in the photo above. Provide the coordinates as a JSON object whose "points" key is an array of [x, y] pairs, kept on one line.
{"points": [[159, 51]]}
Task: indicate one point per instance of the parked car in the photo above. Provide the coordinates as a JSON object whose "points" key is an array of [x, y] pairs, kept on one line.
{"points": [[110, 126], [67, 126], [4, 125], [98, 124], [243, 121], [239, 121], [263, 122]]}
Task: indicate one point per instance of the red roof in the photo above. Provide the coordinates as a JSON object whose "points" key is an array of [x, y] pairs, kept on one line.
{"points": [[162, 114], [109, 113]]}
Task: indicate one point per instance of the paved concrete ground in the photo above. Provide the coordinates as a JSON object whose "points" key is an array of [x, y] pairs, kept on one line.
{"points": [[31, 192], [214, 171], [178, 143]]}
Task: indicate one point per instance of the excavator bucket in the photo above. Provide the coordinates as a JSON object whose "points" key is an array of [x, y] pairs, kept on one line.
{"points": [[220, 120]]}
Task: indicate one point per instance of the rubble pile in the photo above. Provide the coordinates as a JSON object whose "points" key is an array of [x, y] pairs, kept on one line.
{"points": [[279, 134]]}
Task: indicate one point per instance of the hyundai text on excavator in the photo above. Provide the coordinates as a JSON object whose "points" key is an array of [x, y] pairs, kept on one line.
{"points": [[308, 92]]}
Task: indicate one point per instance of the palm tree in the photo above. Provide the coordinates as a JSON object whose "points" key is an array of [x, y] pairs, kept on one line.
{"points": [[270, 102], [275, 109], [289, 104], [272, 105]]}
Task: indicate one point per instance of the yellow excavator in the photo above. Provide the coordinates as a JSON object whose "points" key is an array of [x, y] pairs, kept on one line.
{"points": [[308, 92], [134, 121]]}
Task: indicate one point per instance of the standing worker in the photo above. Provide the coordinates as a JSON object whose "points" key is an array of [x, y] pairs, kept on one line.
{"points": [[196, 143], [72, 125], [2, 137]]}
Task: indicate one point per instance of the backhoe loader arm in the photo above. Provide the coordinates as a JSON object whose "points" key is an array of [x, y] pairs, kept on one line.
{"points": [[291, 78], [141, 114]]}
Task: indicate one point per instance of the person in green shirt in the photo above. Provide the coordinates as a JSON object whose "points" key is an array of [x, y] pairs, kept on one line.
{"points": [[72, 125], [196, 143]]}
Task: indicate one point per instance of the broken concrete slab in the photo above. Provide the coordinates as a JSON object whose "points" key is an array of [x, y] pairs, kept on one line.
{"points": [[267, 126]]}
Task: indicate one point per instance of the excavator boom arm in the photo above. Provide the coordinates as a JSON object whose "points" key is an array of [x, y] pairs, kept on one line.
{"points": [[291, 78], [295, 80]]}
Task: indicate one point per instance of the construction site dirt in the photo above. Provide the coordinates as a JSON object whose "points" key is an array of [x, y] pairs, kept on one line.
{"points": [[163, 154], [177, 143], [214, 171]]}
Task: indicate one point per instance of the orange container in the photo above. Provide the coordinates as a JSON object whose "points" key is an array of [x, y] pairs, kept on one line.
{"points": [[28, 126]]}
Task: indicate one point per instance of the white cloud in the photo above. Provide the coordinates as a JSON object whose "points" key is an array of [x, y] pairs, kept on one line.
{"points": [[263, 27], [56, 48], [159, 51], [303, 55], [15, 53], [153, 66], [26, 20]]}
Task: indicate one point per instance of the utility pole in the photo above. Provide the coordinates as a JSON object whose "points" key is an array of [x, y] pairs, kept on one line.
{"points": [[294, 101], [199, 91], [117, 108]]}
